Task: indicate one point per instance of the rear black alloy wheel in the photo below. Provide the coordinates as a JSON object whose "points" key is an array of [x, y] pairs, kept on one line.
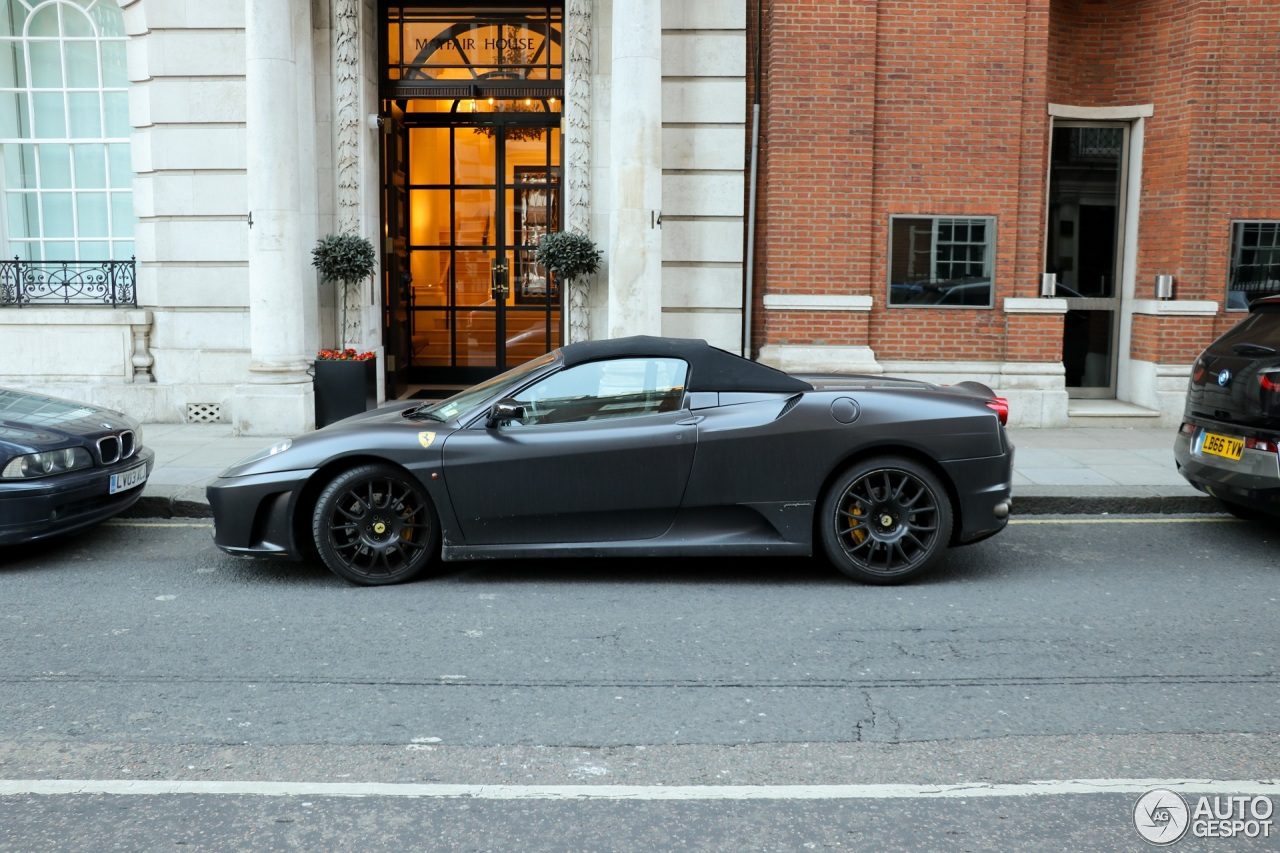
{"points": [[375, 525], [885, 520]]}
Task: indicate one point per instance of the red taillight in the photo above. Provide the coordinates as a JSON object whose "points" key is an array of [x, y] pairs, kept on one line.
{"points": [[1269, 381], [1001, 407], [1261, 444]]}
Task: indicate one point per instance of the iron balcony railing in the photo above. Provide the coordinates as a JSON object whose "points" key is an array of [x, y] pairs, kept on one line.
{"points": [[104, 283]]}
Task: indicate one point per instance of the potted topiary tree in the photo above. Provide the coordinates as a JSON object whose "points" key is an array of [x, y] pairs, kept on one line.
{"points": [[345, 258], [568, 255], [346, 381]]}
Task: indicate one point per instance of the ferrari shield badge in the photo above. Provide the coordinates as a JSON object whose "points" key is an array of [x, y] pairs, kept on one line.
{"points": [[425, 438]]}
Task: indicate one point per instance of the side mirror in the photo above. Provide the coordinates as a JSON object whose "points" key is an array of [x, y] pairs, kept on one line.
{"points": [[504, 412]]}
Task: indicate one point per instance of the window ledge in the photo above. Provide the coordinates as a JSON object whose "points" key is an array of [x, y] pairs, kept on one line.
{"points": [[817, 302], [1176, 307], [1040, 305]]}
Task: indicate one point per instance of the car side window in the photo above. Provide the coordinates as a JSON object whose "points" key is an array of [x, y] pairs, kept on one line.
{"points": [[617, 388]]}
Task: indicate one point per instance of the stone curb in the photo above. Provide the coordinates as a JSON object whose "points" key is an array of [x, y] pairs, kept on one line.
{"points": [[166, 506], [1114, 505]]}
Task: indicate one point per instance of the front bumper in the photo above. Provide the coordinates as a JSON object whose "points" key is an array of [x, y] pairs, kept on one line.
{"points": [[51, 506], [253, 515]]}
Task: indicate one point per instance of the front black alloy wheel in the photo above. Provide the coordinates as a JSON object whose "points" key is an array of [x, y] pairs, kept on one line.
{"points": [[885, 520], [375, 525]]}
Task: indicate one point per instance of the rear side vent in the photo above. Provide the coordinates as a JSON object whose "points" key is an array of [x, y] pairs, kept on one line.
{"points": [[789, 405]]}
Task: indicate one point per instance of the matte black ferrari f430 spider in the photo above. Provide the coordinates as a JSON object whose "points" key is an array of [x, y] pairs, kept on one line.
{"points": [[635, 447]]}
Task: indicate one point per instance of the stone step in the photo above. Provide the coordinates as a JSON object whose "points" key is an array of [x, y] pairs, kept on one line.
{"points": [[1110, 414]]}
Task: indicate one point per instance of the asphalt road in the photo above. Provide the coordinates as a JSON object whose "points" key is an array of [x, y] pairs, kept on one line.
{"points": [[1022, 698]]}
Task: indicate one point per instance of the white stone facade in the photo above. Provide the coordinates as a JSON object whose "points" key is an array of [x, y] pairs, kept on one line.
{"points": [[235, 111]]}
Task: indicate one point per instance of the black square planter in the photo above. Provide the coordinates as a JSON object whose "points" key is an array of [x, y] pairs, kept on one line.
{"points": [[344, 388]]}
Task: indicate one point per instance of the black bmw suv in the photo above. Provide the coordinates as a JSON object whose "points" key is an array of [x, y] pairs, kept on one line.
{"points": [[1227, 443]]}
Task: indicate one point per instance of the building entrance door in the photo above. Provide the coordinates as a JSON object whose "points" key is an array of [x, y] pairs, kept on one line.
{"points": [[1084, 248], [481, 197], [477, 96]]}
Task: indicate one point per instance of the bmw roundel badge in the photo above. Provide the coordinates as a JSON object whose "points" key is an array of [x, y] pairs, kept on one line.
{"points": [[1224, 377]]}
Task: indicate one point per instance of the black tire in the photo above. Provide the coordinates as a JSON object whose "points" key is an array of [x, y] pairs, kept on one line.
{"points": [[885, 520], [375, 525]]}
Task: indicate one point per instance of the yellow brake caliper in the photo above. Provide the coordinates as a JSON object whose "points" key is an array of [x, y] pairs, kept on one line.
{"points": [[857, 534]]}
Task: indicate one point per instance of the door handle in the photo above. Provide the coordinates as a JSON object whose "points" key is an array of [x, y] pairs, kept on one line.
{"points": [[500, 285]]}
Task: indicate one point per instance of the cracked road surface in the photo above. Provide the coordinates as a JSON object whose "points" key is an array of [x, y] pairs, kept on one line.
{"points": [[1064, 649]]}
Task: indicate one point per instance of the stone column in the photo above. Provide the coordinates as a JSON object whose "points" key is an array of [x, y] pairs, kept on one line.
{"points": [[279, 397], [576, 122], [346, 117], [635, 170]]}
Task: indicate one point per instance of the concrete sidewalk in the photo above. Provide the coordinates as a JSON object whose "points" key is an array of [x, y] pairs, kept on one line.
{"points": [[1094, 470]]}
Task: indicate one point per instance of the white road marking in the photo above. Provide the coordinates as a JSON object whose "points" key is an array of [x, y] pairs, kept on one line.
{"points": [[1251, 787], [118, 523], [1226, 519], [1055, 520]]}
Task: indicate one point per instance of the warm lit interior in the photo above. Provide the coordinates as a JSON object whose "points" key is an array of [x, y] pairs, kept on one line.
{"points": [[483, 189], [465, 220]]}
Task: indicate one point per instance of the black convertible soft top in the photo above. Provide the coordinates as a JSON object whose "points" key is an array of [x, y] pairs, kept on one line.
{"points": [[710, 368]]}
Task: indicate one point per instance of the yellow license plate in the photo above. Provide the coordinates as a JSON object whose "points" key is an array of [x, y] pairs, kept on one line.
{"points": [[1221, 445]]}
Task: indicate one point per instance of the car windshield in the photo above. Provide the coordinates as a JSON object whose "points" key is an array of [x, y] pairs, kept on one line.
{"points": [[465, 401]]}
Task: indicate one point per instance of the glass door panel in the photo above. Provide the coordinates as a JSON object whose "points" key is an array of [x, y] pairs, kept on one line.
{"points": [[1083, 249], [489, 194], [429, 154], [473, 156], [432, 336], [473, 217], [473, 279], [532, 178], [429, 217]]}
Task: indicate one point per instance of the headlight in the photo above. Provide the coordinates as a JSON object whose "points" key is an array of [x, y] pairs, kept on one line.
{"points": [[47, 463], [278, 447]]}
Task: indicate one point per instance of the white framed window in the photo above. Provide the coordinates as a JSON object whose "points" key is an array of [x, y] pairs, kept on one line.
{"points": [[941, 261], [1255, 262], [66, 183]]}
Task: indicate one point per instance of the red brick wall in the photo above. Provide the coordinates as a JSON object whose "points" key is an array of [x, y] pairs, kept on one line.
{"points": [[880, 107], [813, 216], [873, 109], [1210, 153], [1171, 340], [1034, 337], [826, 328]]}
